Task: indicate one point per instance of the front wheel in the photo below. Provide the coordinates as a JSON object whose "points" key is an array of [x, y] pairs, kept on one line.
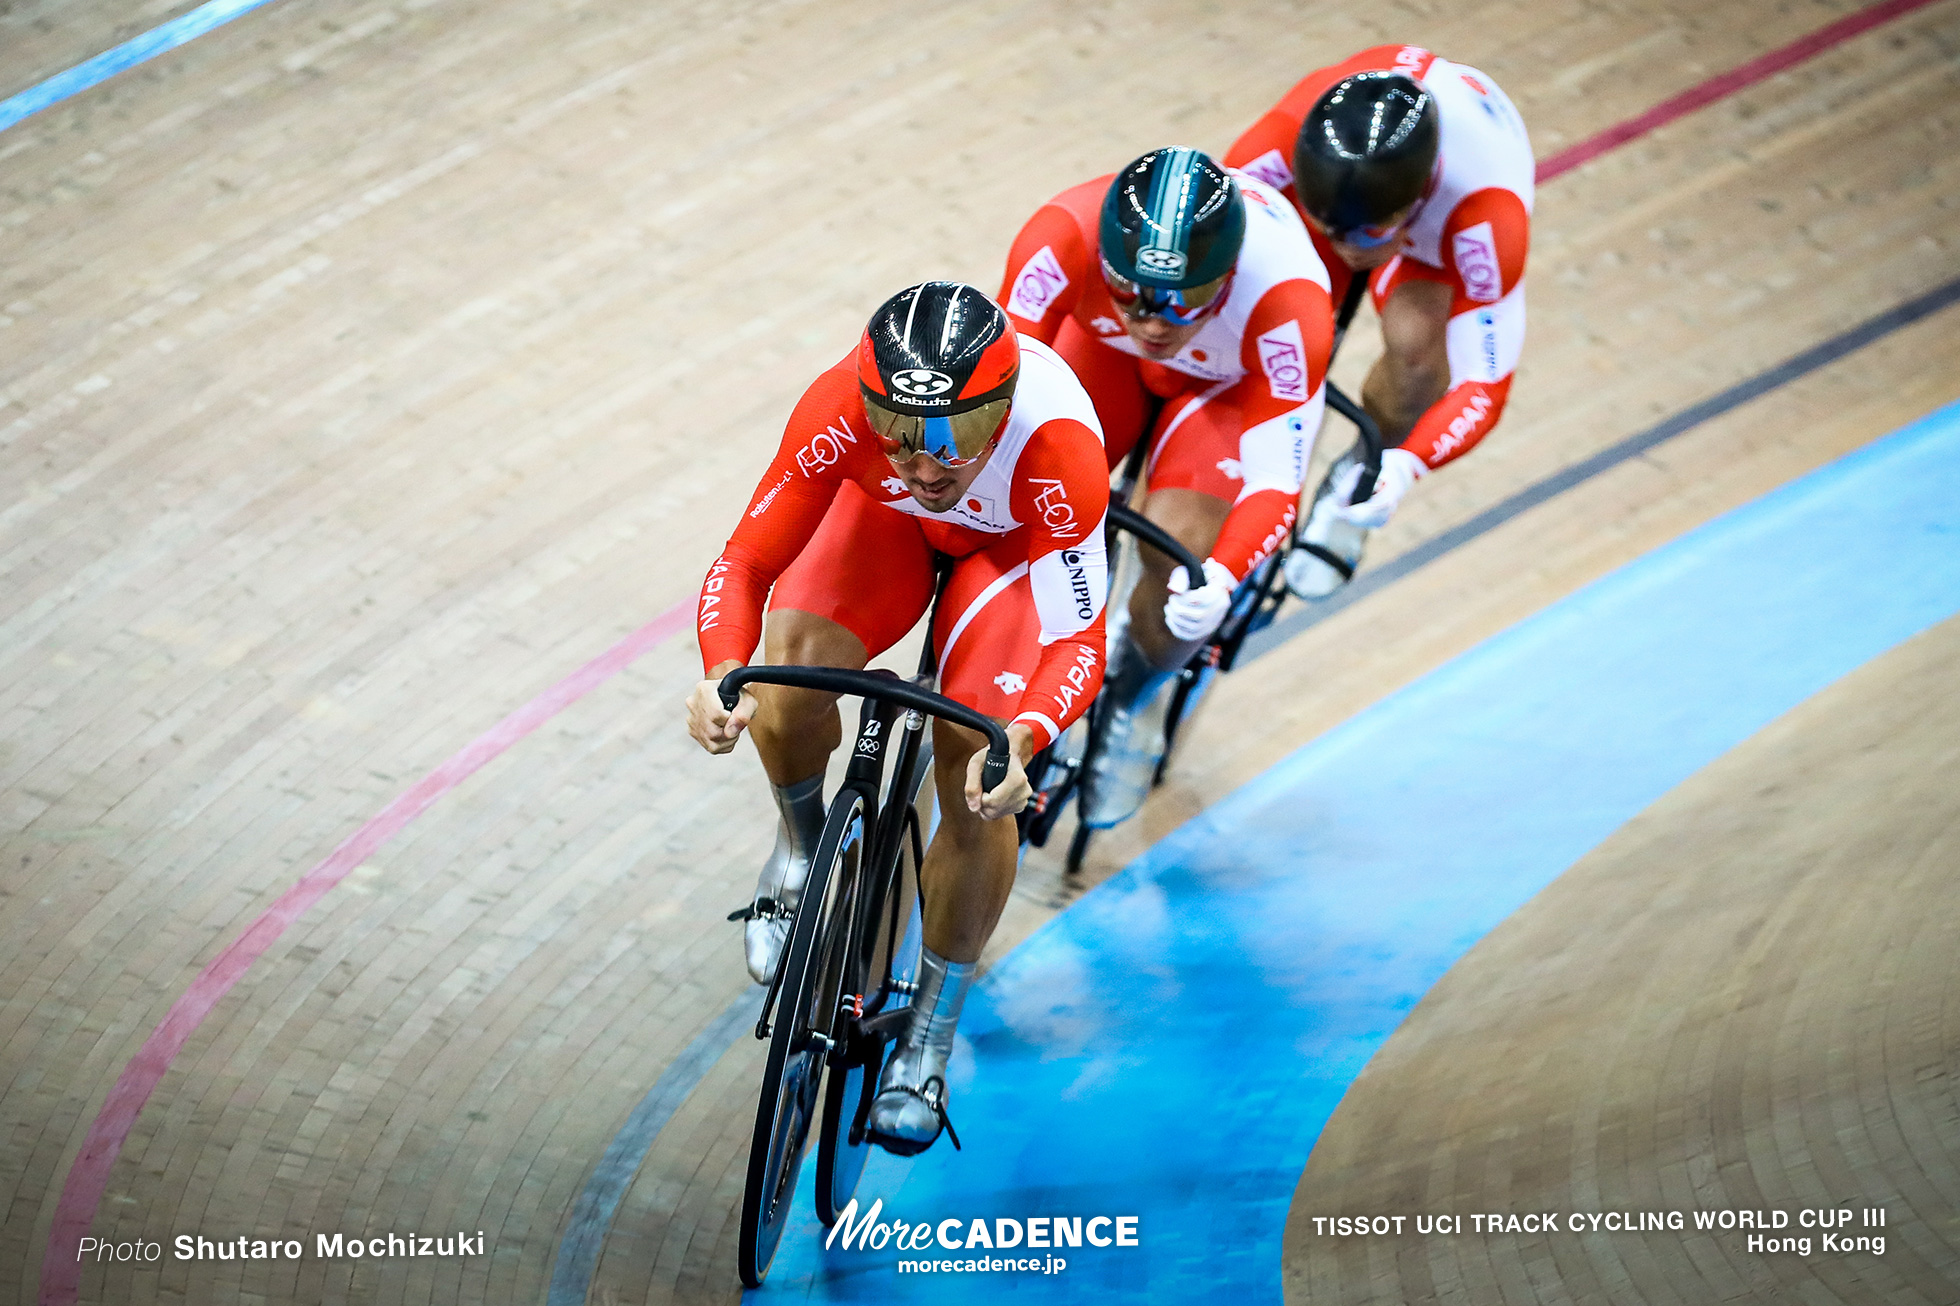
{"points": [[805, 1023], [1192, 682], [842, 1148], [1078, 849]]}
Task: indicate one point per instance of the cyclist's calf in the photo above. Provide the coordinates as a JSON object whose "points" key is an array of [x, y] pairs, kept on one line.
{"points": [[969, 869]]}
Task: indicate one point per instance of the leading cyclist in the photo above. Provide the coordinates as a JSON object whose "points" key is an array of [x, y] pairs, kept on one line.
{"points": [[946, 433], [1192, 304], [1415, 172]]}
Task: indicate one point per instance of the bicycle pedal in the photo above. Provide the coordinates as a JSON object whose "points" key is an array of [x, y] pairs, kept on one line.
{"points": [[762, 909]]}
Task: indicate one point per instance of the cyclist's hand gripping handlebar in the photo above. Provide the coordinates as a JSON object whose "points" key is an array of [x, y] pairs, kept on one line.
{"points": [[884, 686]]}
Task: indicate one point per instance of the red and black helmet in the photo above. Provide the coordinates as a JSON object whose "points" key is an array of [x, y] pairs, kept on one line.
{"points": [[937, 366]]}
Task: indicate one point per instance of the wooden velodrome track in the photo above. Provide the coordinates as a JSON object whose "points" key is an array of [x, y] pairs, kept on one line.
{"points": [[369, 367]]}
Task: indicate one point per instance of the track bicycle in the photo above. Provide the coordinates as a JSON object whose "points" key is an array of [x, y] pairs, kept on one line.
{"points": [[839, 996], [1058, 771]]}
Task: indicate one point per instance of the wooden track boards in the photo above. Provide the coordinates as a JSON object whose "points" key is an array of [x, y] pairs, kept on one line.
{"points": [[368, 367]]}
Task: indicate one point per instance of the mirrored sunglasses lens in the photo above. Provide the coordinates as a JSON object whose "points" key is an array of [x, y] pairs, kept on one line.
{"points": [[1199, 298], [951, 441]]}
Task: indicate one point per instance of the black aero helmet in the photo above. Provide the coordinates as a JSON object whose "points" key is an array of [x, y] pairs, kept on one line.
{"points": [[937, 365], [1172, 219], [1365, 153]]}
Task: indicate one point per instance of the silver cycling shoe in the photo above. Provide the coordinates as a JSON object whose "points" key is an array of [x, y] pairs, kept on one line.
{"points": [[780, 886], [910, 1108], [1326, 539], [1130, 743]]}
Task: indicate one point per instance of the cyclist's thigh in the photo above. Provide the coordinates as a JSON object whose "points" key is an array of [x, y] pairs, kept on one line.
{"points": [[1123, 405], [868, 568], [988, 633], [1195, 445]]}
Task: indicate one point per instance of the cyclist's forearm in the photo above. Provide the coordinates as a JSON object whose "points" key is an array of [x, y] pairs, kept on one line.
{"points": [[1064, 681], [1256, 526], [728, 617]]}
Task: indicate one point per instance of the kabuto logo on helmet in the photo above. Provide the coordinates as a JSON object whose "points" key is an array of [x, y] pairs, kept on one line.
{"points": [[920, 381], [1167, 262]]}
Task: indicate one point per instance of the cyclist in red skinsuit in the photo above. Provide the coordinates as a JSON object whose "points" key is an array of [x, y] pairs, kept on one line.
{"points": [[1446, 275], [1222, 374], [844, 525]]}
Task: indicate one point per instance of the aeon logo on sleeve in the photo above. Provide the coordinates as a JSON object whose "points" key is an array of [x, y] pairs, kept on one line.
{"points": [[1037, 284], [825, 448], [1475, 249], [1057, 513], [1270, 168], [1285, 361]]}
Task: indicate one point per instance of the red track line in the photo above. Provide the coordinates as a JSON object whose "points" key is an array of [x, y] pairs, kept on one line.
{"points": [[1726, 84], [88, 1177]]}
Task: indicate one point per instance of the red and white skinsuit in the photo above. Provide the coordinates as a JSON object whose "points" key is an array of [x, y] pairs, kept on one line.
{"points": [[1234, 414], [1020, 633], [1470, 233]]}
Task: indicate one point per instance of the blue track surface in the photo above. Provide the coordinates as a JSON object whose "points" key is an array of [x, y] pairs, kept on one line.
{"points": [[1171, 1046], [136, 50]]}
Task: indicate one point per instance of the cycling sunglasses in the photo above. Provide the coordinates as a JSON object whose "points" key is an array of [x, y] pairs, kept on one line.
{"points": [[1371, 236], [1367, 237], [1178, 307], [951, 441]]}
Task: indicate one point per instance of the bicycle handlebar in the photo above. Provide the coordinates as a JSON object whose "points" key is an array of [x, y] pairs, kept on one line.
{"points": [[1371, 441], [880, 685], [1151, 533]]}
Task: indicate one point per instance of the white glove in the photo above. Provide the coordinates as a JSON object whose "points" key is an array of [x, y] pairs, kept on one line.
{"points": [[1400, 470], [1195, 613]]}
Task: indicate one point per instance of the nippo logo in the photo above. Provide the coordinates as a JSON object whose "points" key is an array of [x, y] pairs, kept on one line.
{"points": [[1475, 249], [1165, 261], [920, 381]]}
